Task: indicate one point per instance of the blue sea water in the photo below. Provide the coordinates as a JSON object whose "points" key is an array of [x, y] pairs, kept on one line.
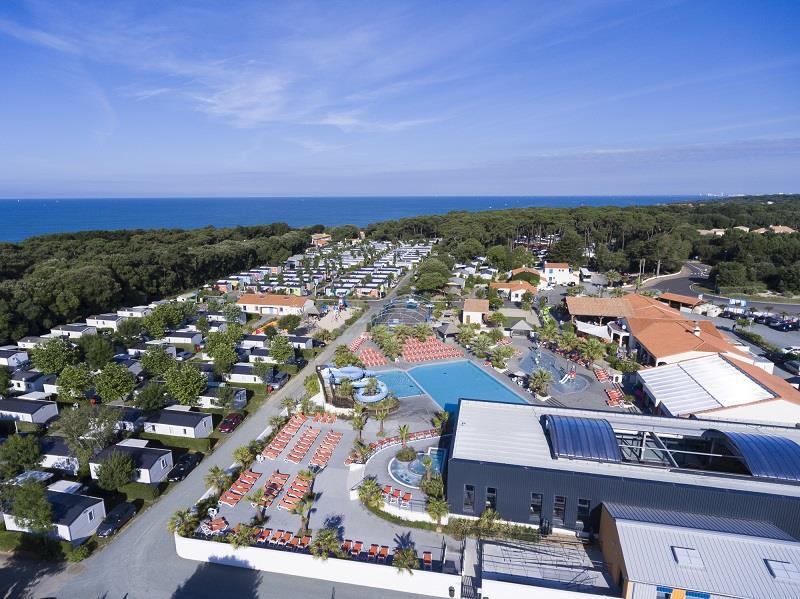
{"points": [[448, 382], [20, 219]]}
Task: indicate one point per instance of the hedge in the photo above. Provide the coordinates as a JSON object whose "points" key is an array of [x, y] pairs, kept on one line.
{"points": [[288, 368], [143, 491], [201, 445]]}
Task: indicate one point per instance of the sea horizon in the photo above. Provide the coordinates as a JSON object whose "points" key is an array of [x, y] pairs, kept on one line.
{"points": [[30, 217]]}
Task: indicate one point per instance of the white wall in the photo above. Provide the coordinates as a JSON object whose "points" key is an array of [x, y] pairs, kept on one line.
{"points": [[496, 589], [376, 576], [59, 462]]}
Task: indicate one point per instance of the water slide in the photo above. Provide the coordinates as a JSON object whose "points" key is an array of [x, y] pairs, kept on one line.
{"points": [[383, 391], [352, 373]]}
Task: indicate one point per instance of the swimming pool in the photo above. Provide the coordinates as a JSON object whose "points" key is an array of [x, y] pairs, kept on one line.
{"points": [[399, 383], [447, 383], [411, 473]]}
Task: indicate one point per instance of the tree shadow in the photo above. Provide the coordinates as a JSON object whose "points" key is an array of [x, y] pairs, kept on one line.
{"points": [[335, 522], [234, 579], [403, 540], [21, 574]]}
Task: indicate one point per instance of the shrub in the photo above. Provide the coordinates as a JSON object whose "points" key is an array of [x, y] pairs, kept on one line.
{"points": [[289, 368], [79, 553], [407, 454]]}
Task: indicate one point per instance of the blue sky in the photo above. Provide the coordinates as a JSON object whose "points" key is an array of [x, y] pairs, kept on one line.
{"points": [[393, 98]]}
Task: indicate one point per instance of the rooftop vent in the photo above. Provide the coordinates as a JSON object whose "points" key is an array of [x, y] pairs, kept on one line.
{"points": [[696, 330], [785, 571], [687, 557]]}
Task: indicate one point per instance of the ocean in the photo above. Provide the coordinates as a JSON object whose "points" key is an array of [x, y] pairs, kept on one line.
{"points": [[20, 219]]}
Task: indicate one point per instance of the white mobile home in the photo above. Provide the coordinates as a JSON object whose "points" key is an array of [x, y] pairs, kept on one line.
{"points": [[151, 465], [28, 410], [179, 421]]}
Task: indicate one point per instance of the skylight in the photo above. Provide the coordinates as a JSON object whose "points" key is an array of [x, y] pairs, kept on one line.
{"points": [[687, 557], [785, 571]]}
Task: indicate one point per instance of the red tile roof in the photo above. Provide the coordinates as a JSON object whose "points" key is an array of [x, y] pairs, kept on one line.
{"points": [[270, 299]]}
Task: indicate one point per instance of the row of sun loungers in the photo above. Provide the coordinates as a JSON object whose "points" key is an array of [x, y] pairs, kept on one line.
{"points": [[601, 374], [240, 488], [281, 538], [356, 343], [299, 488], [284, 436], [217, 526], [273, 487], [325, 418], [429, 350], [396, 496], [388, 441], [323, 453], [615, 397], [372, 357], [378, 553], [303, 445]]}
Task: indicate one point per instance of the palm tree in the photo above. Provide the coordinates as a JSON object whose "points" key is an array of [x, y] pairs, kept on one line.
{"points": [[182, 522], [244, 455], [466, 334], [427, 463], [592, 349], [306, 406], [326, 543], [276, 422], [303, 509], [548, 331], [406, 560], [290, 403], [539, 380], [440, 421], [421, 331], [381, 415], [358, 423], [404, 432], [437, 509], [242, 536], [568, 341], [481, 345], [217, 478], [370, 493]]}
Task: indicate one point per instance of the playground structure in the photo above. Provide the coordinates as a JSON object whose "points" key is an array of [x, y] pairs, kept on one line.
{"points": [[360, 380], [407, 309]]}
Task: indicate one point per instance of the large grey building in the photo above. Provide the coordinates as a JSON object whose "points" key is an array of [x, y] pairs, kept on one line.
{"points": [[557, 465]]}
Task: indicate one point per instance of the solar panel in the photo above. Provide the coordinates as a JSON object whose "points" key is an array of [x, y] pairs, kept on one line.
{"points": [[582, 438], [767, 456]]}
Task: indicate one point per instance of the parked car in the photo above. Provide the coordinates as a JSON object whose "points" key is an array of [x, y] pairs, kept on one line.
{"points": [[116, 519], [792, 366], [185, 464], [230, 422]]}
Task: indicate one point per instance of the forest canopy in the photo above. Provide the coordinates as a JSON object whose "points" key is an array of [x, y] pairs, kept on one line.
{"points": [[54, 279]]}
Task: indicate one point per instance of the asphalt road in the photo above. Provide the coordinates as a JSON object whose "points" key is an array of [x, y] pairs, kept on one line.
{"points": [[141, 561], [694, 273]]}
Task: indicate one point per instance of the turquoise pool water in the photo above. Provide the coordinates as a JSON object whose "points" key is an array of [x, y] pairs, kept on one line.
{"points": [[399, 383], [447, 383], [411, 473]]}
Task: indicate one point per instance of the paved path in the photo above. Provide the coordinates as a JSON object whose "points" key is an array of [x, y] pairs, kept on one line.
{"points": [[141, 561]]}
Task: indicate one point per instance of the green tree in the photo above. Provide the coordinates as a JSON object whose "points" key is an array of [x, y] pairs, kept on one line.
{"points": [[281, 349], [98, 350], [114, 382], [311, 384], [115, 471], [53, 355], [370, 494], [303, 509], [87, 429], [466, 334], [421, 331], [481, 345], [404, 432], [242, 536], [232, 313], [221, 347], [406, 560], [151, 398], [325, 544], [130, 327], [185, 382], [437, 509], [496, 319], [19, 453], [74, 382], [568, 249], [31, 508], [244, 455], [501, 354], [203, 325], [157, 361], [217, 478], [5, 379], [358, 422], [225, 399], [592, 349], [539, 381], [342, 356], [289, 322], [182, 522], [262, 370], [290, 403]]}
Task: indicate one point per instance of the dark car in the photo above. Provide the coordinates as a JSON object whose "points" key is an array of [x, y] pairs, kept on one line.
{"points": [[185, 464], [116, 519], [230, 422]]}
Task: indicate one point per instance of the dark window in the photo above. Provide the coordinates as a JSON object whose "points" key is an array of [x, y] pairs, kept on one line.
{"points": [[535, 514], [491, 498], [584, 507], [469, 499], [663, 592], [559, 508]]}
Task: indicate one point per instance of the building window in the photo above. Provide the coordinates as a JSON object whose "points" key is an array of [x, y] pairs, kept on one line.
{"points": [[163, 463], [90, 513], [584, 507], [559, 508], [535, 513], [469, 499], [663, 592], [783, 570], [688, 557], [185, 431], [491, 498]]}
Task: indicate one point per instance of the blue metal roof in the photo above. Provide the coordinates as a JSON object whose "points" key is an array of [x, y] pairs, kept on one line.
{"points": [[766, 456], [582, 438], [750, 528]]}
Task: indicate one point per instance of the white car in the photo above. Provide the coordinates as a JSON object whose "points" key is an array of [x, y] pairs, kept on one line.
{"points": [[791, 349]]}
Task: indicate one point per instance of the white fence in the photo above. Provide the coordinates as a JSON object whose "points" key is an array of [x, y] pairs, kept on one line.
{"points": [[342, 571]]}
